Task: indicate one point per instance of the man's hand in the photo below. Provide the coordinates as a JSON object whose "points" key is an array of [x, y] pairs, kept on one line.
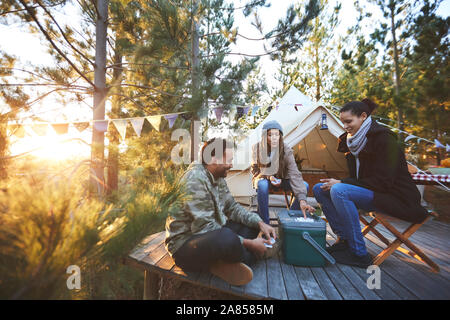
{"points": [[256, 246], [267, 230], [328, 183]]}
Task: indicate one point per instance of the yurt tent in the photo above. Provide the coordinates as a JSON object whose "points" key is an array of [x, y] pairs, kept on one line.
{"points": [[314, 149]]}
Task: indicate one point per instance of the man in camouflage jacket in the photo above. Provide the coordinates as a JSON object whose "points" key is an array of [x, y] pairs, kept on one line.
{"points": [[212, 229]]}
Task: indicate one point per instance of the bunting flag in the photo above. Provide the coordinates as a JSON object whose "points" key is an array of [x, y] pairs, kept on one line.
{"points": [[255, 109], [171, 118], [137, 124], [40, 129], [17, 130], [155, 121], [121, 126], [447, 148], [218, 111], [246, 110], [438, 144], [81, 126], [411, 136], [101, 125], [239, 112], [61, 128], [186, 116]]}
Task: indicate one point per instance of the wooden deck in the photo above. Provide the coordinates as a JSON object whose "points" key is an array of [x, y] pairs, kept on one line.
{"points": [[402, 277]]}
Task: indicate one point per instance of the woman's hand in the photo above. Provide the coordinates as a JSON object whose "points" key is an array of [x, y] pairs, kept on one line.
{"points": [[328, 183], [273, 181], [304, 206]]}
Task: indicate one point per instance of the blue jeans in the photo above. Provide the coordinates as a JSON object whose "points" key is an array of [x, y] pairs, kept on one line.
{"points": [[264, 186], [340, 205]]}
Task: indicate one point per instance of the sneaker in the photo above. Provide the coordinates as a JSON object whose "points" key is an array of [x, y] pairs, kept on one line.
{"points": [[349, 258], [338, 246], [236, 274]]}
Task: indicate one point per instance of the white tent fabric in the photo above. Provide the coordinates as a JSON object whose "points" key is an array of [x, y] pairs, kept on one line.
{"points": [[301, 131]]}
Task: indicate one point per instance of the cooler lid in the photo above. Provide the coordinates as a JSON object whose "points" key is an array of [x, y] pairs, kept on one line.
{"points": [[295, 219]]}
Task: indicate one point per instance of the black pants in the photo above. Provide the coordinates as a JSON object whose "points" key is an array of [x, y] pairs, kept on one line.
{"points": [[201, 251]]}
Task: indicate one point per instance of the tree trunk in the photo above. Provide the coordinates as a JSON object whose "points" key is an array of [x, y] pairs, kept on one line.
{"points": [[397, 73], [113, 135], [318, 82], [194, 76], [98, 138], [3, 151], [437, 136]]}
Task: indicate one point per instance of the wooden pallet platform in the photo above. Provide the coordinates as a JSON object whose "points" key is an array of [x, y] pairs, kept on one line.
{"points": [[402, 277]]}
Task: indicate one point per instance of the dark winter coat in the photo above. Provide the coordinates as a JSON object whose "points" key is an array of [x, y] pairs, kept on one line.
{"points": [[383, 169]]}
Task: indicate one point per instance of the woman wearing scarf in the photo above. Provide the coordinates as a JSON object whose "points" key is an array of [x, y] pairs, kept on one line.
{"points": [[273, 167], [379, 181]]}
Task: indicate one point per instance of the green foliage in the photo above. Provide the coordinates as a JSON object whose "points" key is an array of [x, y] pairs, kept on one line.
{"points": [[45, 229], [48, 225]]}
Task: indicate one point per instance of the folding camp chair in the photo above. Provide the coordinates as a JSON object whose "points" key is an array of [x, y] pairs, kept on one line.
{"points": [[401, 238]]}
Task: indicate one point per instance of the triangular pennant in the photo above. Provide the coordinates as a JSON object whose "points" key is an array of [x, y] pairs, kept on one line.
{"points": [[277, 106], [121, 126], [447, 148], [40, 129], [255, 109], [155, 121], [246, 110], [18, 130], [218, 111], [61, 128], [186, 116], [101, 125], [137, 124], [239, 112], [411, 136], [171, 118], [81, 126], [438, 144]]}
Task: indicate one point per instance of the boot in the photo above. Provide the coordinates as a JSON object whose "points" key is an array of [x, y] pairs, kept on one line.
{"points": [[236, 274]]}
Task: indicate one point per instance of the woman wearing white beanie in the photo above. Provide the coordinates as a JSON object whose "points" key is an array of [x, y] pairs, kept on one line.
{"points": [[273, 167]]}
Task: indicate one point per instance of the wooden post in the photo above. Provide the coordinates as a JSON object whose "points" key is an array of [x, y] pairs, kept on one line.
{"points": [[151, 285]]}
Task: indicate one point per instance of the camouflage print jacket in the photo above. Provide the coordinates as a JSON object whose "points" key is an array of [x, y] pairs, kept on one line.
{"points": [[208, 207]]}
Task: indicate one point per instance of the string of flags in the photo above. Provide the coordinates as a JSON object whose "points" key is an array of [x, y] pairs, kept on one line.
{"points": [[41, 128], [137, 123], [436, 142]]}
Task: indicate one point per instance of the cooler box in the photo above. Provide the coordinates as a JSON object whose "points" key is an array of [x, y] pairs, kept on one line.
{"points": [[303, 239]]}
